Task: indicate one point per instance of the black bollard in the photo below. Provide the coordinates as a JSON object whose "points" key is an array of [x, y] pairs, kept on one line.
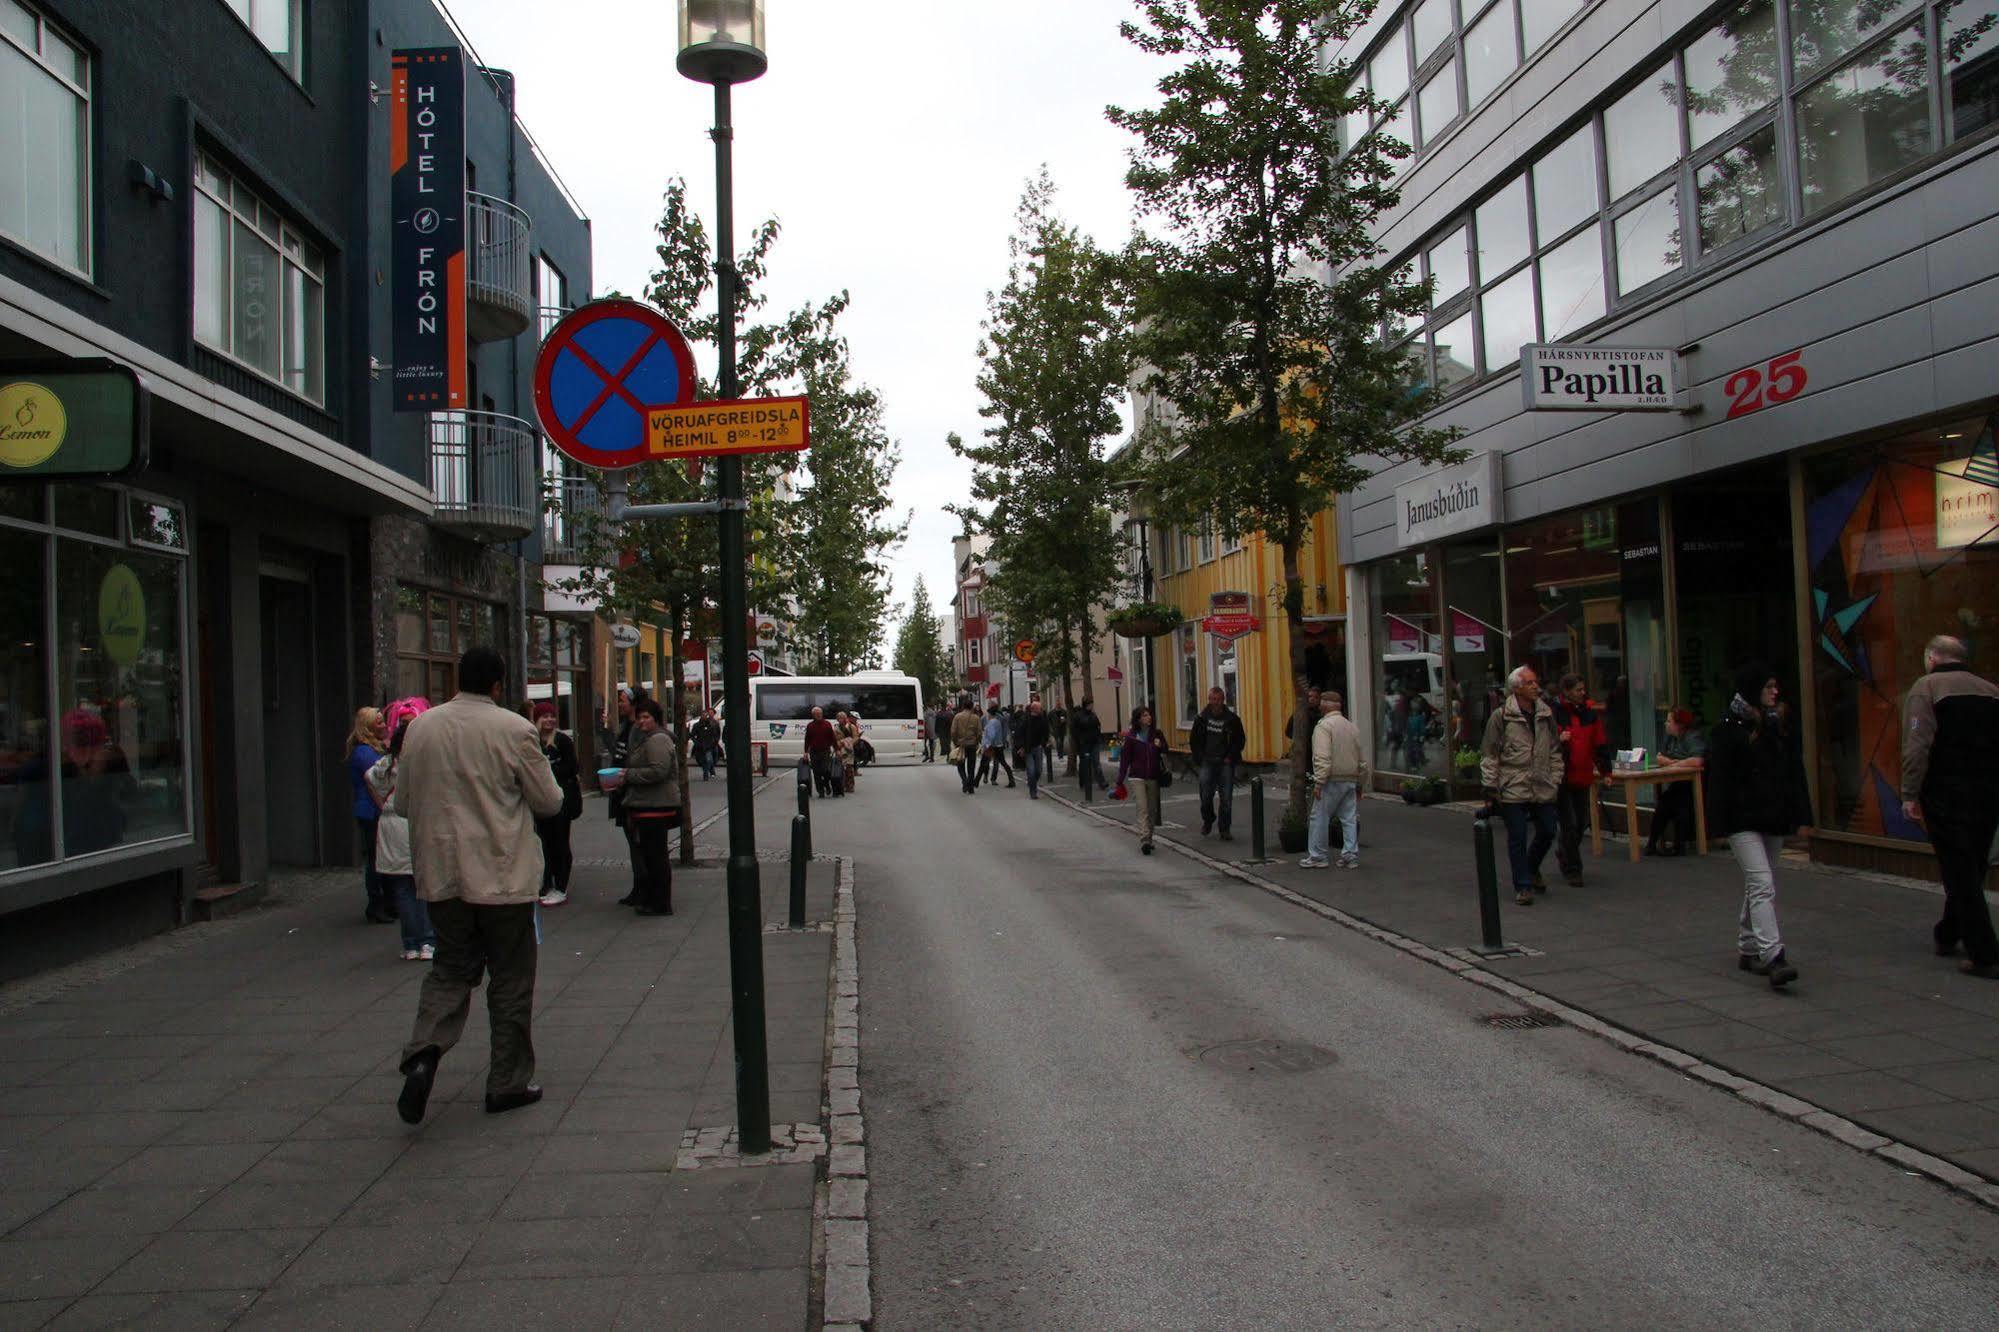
{"points": [[1256, 818], [801, 858], [1488, 882]]}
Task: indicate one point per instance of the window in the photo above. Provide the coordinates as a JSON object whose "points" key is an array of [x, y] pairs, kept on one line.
{"points": [[432, 631], [1731, 72], [259, 285], [1455, 359], [971, 605], [1824, 30], [1490, 53], [44, 139], [1190, 674], [1501, 222], [558, 668], [551, 290], [1647, 237], [1410, 681], [276, 23], [975, 651], [1207, 542], [1506, 314], [1572, 285], [1449, 268], [1437, 105], [1641, 131], [1865, 121], [1740, 190], [1542, 19], [1223, 669], [1431, 27], [1971, 66], [1565, 185]]}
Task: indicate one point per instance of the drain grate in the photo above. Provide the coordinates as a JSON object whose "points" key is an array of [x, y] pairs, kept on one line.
{"points": [[1520, 1021]]}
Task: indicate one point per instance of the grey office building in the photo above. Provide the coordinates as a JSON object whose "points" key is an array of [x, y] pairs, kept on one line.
{"points": [[1799, 201]]}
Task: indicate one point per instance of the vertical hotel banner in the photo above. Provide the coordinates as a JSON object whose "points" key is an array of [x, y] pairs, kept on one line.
{"points": [[427, 194]]}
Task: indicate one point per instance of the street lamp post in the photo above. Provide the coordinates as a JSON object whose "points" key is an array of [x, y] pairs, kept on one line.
{"points": [[722, 43]]}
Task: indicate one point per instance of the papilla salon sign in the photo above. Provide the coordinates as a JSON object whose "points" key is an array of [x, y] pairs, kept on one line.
{"points": [[1448, 501], [427, 194], [1561, 377]]}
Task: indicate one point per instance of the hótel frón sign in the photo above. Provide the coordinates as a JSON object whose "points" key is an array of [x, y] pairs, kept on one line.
{"points": [[1448, 501], [427, 236], [1559, 377]]}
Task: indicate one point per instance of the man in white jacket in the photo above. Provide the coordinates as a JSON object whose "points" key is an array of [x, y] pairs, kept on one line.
{"points": [[1339, 769]]}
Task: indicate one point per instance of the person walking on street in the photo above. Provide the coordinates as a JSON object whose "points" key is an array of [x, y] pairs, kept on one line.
{"points": [[849, 747], [822, 750], [1216, 745], [1950, 785], [652, 803], [471, 780], [1141, 762], [1339, 771], [1520, 766], [1585, 759], [365, 743], [707, 736], [1756, 783], [1058, 737], [620, 749], [994, 738], [1673, 814], [392, 841], [965, 745], [1088, 734], [1034, 739], [556, 859]]}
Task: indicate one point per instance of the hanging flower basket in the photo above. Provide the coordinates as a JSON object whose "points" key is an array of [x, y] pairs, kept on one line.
{"points": [[1146, 619]]}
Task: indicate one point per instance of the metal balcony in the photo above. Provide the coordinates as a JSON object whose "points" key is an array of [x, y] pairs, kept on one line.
{"points": [[499, 285], [572, 521], [482, 471]]}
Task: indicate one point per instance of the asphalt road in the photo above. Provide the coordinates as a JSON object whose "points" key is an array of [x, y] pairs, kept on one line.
{"points": [[1055, 1141]]}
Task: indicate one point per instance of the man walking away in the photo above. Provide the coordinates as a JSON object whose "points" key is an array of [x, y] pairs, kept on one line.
{"points": [[1088, 733], [707, 736], [965, 741], [1216, 744], [1339, 771], [822, 749], [1950, 784], [1520, 766], [1034, 739], [1585, 757], [471, 781]]}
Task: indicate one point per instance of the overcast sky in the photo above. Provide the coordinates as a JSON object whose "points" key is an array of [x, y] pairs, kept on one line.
{"points": [[892, 140]]}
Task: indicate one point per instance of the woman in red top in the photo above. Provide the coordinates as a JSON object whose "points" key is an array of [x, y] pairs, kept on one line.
{"points": [[1142, 759]]}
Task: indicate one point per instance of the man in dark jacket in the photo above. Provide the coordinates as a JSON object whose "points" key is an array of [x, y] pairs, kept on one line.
{"points": [[1950, 784], [1088, 734], [707, 742], [1216, 742], [1585, 757], [1032, 737]]}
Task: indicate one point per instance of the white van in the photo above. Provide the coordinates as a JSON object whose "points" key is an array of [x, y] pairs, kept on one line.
{"points": [[889, 707]]}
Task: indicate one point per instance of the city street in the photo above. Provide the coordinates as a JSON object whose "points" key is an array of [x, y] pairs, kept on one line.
{"points": [[1062, 1133]]}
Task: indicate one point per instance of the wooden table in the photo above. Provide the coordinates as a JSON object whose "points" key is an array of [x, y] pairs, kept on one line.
{"points": [[1646, 777]]}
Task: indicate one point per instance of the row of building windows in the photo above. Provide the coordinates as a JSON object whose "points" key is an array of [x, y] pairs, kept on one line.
{"points": [[1769, 116], [1181, 549]]}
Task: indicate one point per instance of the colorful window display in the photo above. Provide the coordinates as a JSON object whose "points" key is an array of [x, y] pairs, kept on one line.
{"points": [[1903, 544]]}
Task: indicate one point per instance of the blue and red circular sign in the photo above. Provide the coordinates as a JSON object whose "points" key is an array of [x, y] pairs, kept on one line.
{"points": [[598, 372]]}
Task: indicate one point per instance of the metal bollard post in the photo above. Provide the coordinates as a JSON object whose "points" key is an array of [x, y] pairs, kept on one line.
{"points": [[1256, 818], [801, 858], [805, 804], [1488, 882]]}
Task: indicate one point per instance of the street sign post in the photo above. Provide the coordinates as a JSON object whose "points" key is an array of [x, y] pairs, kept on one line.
{"points": [[601, 371], [714, 429], [1024, 651]]}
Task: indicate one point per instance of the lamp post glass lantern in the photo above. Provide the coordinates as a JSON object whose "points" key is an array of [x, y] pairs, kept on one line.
{"points": [[722, 41]]}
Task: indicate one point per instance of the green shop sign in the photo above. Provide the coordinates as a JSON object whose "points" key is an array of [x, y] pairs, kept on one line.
{"points": [[73, 418]]}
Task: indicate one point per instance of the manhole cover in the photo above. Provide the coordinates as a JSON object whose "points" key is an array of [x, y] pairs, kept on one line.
{"points": [[1267, 1056], [1520, 1021]]}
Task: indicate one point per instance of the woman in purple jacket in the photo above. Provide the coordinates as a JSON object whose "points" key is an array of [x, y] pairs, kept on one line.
{"points": [[1141, 760]]}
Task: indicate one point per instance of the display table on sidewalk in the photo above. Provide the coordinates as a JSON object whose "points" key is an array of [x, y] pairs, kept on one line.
{"points": [[1645, 777]]}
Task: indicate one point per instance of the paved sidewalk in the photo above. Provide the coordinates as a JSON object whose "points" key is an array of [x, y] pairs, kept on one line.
{"points": [[209, 1138], [1877, 1029]]}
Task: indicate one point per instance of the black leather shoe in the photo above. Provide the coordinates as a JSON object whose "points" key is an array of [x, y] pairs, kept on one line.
{"points": [[629, 899], [1990, 971], [513, 1100], [418, 1074]]}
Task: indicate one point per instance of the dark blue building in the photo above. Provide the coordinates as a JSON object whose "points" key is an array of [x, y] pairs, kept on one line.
{"points": [[199, 191]]}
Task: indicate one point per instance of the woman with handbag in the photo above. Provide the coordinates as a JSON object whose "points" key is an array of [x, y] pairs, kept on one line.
{"points": [[553, 831], [652, 805], [1142, 763]]}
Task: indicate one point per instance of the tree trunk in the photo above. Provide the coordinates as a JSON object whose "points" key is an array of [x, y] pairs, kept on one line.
{"points": [[676, 622], [1069, 700], [1294, 623]]}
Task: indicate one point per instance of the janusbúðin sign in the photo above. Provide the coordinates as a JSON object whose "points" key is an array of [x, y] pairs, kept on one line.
{"points": [[427, 247], [1448, 501], [1559, 377]]}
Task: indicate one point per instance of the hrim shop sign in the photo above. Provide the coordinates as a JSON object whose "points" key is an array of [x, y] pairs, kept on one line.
{"points": [[1559, 377], [427, 194], [1448, 501]]}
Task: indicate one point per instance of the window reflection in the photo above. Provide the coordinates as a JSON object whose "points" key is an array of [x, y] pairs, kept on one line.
{"points": [[1866, 121], [1731, 71], [1641, 131], [1502, 230], [1971, 65], [1453, 349], [1508, 312], [1565, 185], [1741, 191], [1648, 241], [1409, 693], [1489, 53], [1824, 30], [1572, 285], [1450, 267]]}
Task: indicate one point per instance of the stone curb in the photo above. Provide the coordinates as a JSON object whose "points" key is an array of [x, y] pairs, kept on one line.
{"points": [[1813, 1117], [840, 1239]]}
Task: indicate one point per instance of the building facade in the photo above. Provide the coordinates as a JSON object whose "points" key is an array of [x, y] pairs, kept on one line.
{"points": [[1796, 202], [199, 192]]}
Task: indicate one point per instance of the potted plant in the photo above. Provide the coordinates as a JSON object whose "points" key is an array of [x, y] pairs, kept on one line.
{"points": [[1144, 619], [1464, 767], [1291, 833], [1425, 790]]}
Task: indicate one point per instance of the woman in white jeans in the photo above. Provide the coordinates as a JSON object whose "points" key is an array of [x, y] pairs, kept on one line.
{"points": [[1757, 796]]}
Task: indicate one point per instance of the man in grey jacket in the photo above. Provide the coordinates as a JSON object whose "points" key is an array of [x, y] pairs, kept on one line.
{"points": [[1339, 771], [1521, 765], [471, 782], [1950, 784]]}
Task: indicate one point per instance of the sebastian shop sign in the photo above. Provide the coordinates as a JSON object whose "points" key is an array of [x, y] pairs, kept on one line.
{"points": [[1560, 377], [1448, 501]]}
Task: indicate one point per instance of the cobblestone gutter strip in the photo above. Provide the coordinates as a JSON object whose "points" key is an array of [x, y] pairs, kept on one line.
{"points": [[1816, 1118], [840, 1238]]}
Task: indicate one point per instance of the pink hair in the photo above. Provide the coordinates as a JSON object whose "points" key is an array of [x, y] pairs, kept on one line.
{"points": [[401, 710]]}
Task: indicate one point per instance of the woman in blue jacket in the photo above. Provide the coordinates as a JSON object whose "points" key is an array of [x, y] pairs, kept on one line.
{"points": [[365, 744]]}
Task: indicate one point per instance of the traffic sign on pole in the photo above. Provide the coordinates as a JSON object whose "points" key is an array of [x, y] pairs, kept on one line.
{"points": [[601, 371], [1024, 650], [710, 429]]}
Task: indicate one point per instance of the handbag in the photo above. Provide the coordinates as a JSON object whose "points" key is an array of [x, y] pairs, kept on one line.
{"points": [[572, 801]]}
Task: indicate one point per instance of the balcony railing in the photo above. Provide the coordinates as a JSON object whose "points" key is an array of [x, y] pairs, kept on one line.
{"points": [[572, 521], [499, 286], [482, 471]]}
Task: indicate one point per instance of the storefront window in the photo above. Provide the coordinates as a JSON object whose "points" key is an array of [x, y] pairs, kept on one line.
{"points": [[1902, 544], [1189, 674], [1562, 599], [24, 707], [1477, 645], [428, 649], [1734, 584], [552, 667], [1409, 691]]}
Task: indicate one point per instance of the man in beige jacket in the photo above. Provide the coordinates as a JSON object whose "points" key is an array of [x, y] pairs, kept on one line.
{"points": [[471, 782], [1339, 770]]}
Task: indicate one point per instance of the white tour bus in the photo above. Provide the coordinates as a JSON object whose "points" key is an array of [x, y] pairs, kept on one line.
{"points": [[889, 706]]}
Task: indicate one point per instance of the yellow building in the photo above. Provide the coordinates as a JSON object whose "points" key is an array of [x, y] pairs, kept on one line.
{"points": [[1254, 671]]}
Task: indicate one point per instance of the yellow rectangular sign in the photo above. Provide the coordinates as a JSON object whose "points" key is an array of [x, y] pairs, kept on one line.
{"points": [[749, 425]]}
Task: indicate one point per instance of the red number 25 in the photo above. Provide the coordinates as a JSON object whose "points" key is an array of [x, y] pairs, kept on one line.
{"points": [[1746, 390]]}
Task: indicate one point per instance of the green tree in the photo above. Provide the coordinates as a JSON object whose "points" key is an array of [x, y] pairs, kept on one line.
{"points": [[1260, 309], [919, 645], [1054, 361]]}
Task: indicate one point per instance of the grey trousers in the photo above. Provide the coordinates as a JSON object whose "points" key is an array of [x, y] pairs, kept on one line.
{"points": [[497, 942]]}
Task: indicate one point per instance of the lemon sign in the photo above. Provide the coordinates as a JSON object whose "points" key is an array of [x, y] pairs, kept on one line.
{"points": [[33, 424], [121, 615]]}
